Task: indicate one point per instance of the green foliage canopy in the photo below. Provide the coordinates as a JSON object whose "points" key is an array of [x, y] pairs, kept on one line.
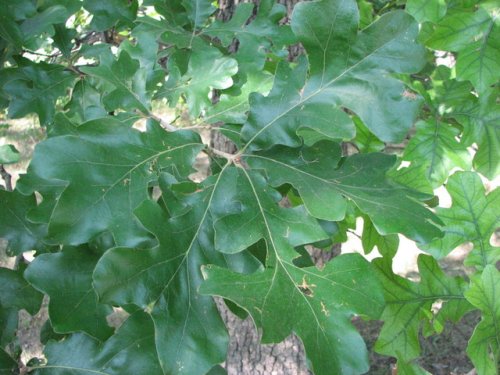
{"points": [[117, 219]]}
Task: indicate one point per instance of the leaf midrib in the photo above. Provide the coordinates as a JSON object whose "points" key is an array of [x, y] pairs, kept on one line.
{"points": [[119, 180], [335, 185], [318, 91]]}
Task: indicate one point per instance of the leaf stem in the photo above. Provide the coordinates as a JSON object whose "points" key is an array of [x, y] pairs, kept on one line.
{"points": [[225, 155], [165, 125]]}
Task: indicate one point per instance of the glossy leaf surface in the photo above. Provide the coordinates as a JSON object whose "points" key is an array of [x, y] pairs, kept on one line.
{"points": [[66, 277], [323, 300], [165, 281], [14, 227], [129, 351], [313, 172], [106, 169], [347, 68]]}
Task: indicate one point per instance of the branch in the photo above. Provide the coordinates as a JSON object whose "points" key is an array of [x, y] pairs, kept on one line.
{"points": [[56, 54], [164, 124], [225, 155], [196, 127]]}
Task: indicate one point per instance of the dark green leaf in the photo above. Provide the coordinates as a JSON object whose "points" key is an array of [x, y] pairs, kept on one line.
{"points": [[44, 21], [107, 13], [255, 38], [233, 108], [63, 39], [217, 370], [198, 11], [130, 351], [85, 103], [66, 278], [386, 245], [128, 81], [9, 29], [144, 45], [231, 216], [22, 234], [34, 88], [16, 294], [106, 168], [7, 364], [190, 335], [207, 69], [322, 185], [347, 68], [323, 300], [9, 320]]}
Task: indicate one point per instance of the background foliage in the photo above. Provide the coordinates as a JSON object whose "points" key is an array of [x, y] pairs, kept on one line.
{"points": [[111, 207]]}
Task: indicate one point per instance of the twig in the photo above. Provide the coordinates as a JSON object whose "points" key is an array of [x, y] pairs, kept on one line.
{"points": [[223, 154], [196, 127], [56, 54], [353, 233], [231, 158], [164, 124]]}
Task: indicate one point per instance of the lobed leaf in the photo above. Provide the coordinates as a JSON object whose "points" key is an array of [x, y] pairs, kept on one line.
{"points": [[190, 336], [409, 304], [7, 364], [475, 36], [472, 217], [16, 294], [129, 351], [128, 81], [435, 146], [22, 234], [207, 69], [323, 300], [481, 119], [107, 14], [34, 88], [255, 38], [106, 168], [484, 345], [323, 186], [347, 68], [66, 277]]}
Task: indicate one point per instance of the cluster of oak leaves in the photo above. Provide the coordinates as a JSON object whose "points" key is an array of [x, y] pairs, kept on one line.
{"points": [[116, 221]]}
